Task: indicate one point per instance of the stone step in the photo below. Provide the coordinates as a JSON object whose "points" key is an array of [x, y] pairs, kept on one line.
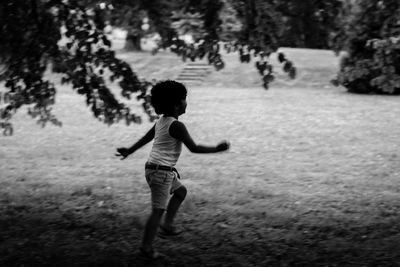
{"points": [[189, 78], [198, 64], [190, 82], [194, 73], [205, 67]]}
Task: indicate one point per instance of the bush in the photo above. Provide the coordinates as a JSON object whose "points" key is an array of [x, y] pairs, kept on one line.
{"points": [[372, 39], [378, 74]]}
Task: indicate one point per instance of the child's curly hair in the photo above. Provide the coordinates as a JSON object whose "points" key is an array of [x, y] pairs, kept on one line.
{"points": [[166, 94]]}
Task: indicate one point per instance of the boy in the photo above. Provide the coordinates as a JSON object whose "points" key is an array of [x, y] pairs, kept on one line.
{"points": [[169, 100]]}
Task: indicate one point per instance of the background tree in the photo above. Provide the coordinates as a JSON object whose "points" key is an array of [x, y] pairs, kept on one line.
{"points": [[262, 26], [130, 17], [31, 32], [187, 23], [308, 23], [230, 27], [371, 38]]}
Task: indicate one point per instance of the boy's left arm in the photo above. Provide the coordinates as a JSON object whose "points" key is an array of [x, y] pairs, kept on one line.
{"points": [[125, 152]]}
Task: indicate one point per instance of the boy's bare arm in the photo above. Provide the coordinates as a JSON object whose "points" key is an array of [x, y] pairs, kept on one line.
{"points": [[125, 152], [178, 130]]}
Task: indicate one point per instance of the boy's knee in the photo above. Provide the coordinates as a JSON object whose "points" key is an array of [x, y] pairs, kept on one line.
{"points": [[181, 192]]}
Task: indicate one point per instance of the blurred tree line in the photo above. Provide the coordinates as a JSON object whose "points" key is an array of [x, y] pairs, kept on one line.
{"points": [[31, 31]]}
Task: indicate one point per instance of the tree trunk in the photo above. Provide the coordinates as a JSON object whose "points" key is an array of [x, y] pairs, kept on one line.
{"points": [[132, 42]]}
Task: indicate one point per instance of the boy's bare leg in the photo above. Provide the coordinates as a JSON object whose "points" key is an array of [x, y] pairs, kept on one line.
{"points": [[173, 206], [150, 229]]}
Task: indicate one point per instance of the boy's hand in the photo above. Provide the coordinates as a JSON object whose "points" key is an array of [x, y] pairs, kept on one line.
{"points": [[224, 145], [122, 152]]}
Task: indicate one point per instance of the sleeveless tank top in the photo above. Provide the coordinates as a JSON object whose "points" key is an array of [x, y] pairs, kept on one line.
{"points": [[166, 149]]}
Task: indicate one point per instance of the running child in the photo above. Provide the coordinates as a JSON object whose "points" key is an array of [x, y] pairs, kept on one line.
{"points": [[169, 100]]}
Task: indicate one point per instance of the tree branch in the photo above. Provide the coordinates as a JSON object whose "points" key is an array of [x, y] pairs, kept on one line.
{"points": [[35, 14]]}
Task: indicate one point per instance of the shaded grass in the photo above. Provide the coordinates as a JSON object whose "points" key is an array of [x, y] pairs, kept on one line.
{"points": [[311, 178]]}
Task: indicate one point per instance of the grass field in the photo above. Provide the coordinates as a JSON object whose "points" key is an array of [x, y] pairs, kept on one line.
{"points": [[312, 177]]}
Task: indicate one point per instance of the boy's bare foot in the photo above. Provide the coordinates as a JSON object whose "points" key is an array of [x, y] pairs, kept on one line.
{"points": [[150, 254], [169, 231]]}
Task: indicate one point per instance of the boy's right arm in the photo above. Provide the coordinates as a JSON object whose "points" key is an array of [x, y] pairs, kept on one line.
{"points": [[125, 152], [178, 131]]}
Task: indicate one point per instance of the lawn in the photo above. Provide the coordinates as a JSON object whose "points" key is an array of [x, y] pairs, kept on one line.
{"points": [[311, 179]]}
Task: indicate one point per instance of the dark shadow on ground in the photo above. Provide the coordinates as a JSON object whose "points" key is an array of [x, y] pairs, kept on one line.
{"points": [[46, 236]]}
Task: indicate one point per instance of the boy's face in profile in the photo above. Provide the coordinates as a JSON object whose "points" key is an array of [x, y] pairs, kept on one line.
{"points": [[182, 106]]}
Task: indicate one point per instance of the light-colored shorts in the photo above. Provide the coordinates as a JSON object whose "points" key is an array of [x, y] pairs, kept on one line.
{"points": [[162, 183]]}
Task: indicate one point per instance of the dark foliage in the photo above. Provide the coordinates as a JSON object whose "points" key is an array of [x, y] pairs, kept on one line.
{"points": [[308, 23], [371, 38], [31, 32]]}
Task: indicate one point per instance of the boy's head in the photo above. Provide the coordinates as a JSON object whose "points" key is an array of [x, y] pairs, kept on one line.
{"points": [[167, 95]]}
